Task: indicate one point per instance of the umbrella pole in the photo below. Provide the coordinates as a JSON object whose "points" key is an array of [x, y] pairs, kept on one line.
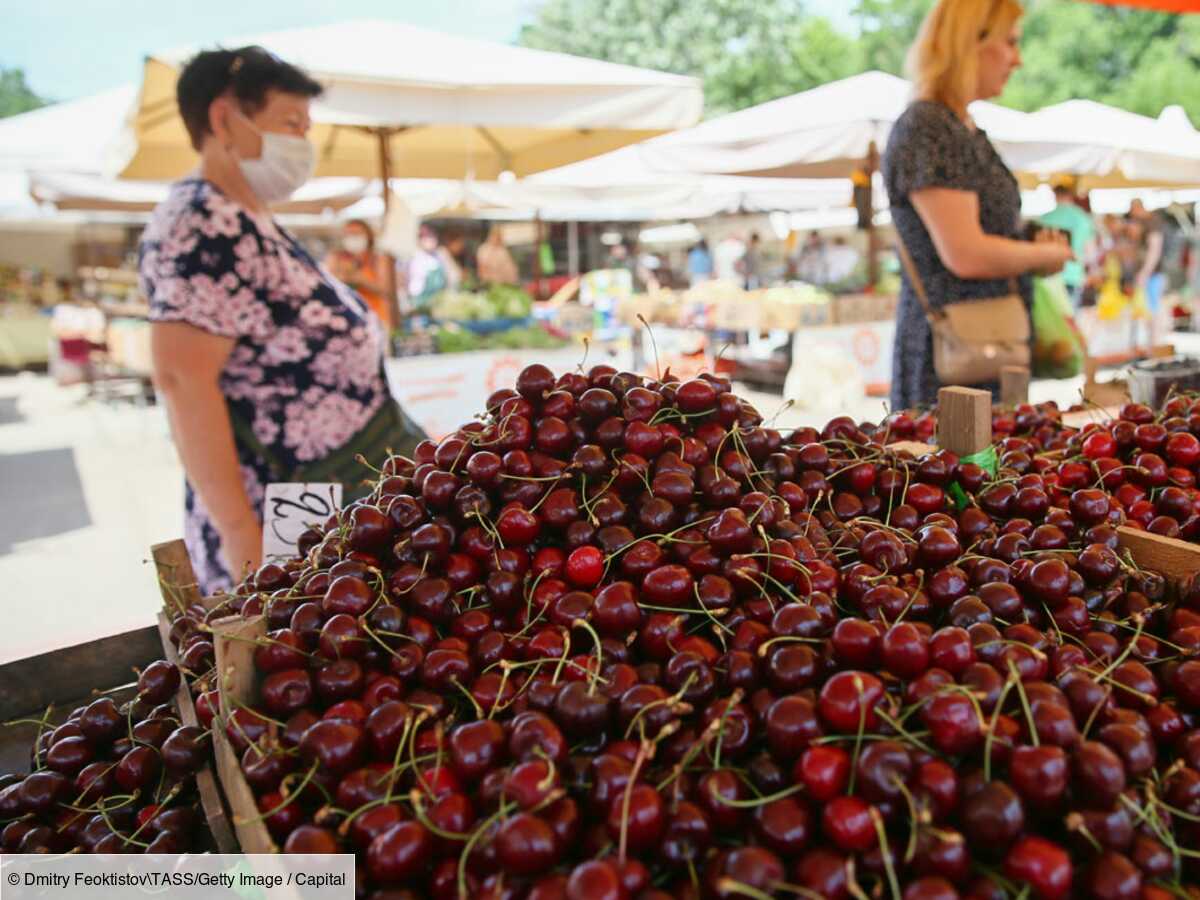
{"points": [[872, 231], [537, 254], [383, 135], [573, 248]]}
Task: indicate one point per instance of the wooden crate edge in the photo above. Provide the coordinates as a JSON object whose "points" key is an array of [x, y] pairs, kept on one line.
{"points": [[232, 641], [206, 784]]}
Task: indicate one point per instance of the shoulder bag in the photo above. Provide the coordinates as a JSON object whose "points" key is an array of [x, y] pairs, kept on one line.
{"points": [[974, 339]]}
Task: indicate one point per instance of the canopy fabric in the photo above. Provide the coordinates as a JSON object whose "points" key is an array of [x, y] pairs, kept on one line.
{"points": [[695, 198], [825, 132], [1108, 147], [828, 132], [72, 136], [441, 106], [69, 191], [1177, 6]]}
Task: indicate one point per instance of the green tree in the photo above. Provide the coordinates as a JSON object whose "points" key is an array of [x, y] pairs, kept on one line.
{"points": [[15, 95], [747, 51], [1073, 50], [751, 51], [887, 29]]}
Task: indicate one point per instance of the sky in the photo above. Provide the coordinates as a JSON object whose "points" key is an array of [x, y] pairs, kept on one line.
{"points": [[72, 48]]}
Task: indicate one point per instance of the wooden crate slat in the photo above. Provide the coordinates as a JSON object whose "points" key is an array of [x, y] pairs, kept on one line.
{"points": [[31, 684], [1171, 557], [1014, 385], [206, 784], [177, 584], [1088, 416], [233, 640], [916, 448], [176, 577], [964, 420]]}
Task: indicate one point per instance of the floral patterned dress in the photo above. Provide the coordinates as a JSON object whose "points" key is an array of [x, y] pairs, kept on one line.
{"points": [[306, 372]]}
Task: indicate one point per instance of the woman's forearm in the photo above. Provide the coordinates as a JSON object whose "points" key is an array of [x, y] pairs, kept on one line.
{"points": [[990, 256], [204, 438], [952, 219]]}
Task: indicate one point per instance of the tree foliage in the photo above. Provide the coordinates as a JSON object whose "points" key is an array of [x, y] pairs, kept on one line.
{"points": [[15, 95], [750, 51], [747, 51]]}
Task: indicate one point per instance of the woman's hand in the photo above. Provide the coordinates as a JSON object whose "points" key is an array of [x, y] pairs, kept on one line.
{"points": [[241, 543], [1055, 250]]}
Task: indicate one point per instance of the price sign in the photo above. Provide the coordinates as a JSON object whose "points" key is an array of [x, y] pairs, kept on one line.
{"points": [[290, 508]]}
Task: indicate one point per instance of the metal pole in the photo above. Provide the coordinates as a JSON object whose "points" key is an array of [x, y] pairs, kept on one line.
{"points": [[872, 232], [385, 173], [573, 248], [537, 255]]}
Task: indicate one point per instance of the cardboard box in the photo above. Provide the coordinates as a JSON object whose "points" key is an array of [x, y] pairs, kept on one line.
{"points": [[852, 309]]}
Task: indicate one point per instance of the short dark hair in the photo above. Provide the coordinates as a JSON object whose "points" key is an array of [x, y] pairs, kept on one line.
{"points": [[248, 72]]}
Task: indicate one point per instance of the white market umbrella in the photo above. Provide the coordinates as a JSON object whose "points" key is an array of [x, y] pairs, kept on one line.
{"points": [[54, 159], [829, 131], [691, 197], [1109, 147], [407, 102], [76, 191]]}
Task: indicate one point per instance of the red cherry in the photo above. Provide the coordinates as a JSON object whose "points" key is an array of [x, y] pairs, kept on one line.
{"points": [[849, 699], [847, 822], [824, 771], [585, 567]]}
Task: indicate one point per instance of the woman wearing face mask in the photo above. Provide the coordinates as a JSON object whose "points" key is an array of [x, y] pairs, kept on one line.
{"points": [[271, 369], [371, 274], [955, 205]]}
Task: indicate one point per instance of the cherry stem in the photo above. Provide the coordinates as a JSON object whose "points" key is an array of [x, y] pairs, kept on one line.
{"points": [[1033, 735], [645, 752], [756, 802], [889, 868], [592, 676], [289, 796]]}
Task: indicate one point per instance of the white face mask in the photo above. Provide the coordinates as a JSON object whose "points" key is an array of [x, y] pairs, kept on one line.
{"points": [[286, 162], [355, 243]]}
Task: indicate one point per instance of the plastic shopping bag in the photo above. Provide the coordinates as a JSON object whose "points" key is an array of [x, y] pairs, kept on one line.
{"points": [[1112, 301], [1057, 350]]}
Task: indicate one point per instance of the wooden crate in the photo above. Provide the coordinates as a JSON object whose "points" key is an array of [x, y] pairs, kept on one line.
{"points": [[52, 684], [233, 639], [177, 582]]}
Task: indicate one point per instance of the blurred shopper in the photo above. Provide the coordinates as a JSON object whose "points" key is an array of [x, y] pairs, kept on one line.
{"points": [[372, 274], [699, 263], [620, 258], [955, 205], [427, 270], [728, 263], [1067, 216], [1147, 230], [271, 368], [495, 264], [752, 263], [841, 261], [811, 265], [457, 259]]}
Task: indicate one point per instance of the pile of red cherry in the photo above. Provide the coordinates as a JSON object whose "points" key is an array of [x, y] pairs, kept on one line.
{"points": [[110, 779], [621, 639]]}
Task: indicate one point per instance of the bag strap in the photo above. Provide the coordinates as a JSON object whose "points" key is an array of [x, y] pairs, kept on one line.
{"points": [[910, 268], [915, 279]]}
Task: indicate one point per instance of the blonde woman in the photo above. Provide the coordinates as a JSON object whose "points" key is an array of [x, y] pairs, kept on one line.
{"points": [[954, 203]]}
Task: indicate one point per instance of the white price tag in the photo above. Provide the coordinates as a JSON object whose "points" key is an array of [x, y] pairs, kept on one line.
{"points": [[291, 507]]}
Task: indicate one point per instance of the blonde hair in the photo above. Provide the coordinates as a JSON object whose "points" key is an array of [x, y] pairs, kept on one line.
{"points": [[943, 62]]}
